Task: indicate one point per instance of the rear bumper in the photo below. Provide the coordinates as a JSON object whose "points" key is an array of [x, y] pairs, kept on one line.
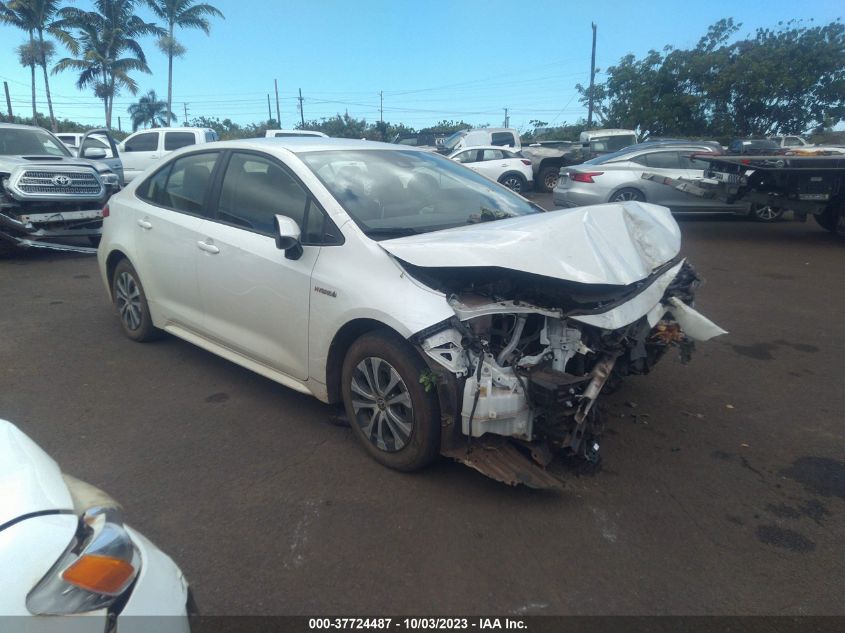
{"points": [[577, 198]]}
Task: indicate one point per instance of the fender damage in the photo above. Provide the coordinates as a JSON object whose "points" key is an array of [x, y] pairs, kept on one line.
{"points": [[550, 310]]}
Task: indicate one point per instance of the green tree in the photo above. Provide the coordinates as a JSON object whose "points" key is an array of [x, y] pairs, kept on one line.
{"points": [[20, 15], [149, 111], [787, 79], [186, 15], [105, 47]]}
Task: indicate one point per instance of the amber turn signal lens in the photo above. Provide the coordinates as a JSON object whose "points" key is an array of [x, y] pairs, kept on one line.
{"points": [[100, 574]]}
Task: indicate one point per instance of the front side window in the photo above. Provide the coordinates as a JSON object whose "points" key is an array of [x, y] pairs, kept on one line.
{"points": [[255, 190], [663, 160], [175, 140], [389, 193], [469, 156], [147, 142], [183, 186]]}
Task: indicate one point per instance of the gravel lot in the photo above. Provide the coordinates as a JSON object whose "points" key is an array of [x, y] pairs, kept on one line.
{"points": [[723, 490]]}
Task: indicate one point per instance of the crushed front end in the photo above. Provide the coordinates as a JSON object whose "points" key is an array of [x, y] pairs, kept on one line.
{"points": [[528, 357], [51, 204]]}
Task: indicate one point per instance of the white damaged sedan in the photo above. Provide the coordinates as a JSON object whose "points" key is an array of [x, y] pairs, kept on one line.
{"points": [[65, 551], [448, 314]]}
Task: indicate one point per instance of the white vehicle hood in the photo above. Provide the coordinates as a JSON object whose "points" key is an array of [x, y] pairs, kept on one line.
{"points": [[30, 481], [617, 244]]}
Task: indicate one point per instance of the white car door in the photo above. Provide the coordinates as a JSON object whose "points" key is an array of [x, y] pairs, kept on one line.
{"points": [[492, 163], [256, 299], [170, 208], [138, 152]]}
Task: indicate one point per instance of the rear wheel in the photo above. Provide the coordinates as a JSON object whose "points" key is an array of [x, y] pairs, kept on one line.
{"points": [[766, 213], [829, 219], [131, 304], [548, 178], [515, 182], [394, 418], [628, 194]]}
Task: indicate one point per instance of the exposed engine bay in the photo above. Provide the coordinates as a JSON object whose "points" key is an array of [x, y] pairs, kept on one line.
{"points": [[532, 354]]}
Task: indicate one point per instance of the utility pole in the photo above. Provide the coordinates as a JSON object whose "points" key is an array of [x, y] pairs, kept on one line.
{"points": [[381, 114], [119, 126], [185, 108], [301, 111], [8, 100], [278, 112], [507, 118], [269, 111], [592, 80]]}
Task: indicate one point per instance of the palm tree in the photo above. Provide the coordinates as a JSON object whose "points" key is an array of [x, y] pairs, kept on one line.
{"points": [[149, 111], [36, 17], [18, 14], [105, 47], [184, 14]]}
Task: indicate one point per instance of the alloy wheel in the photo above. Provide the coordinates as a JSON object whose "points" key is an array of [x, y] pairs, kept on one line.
{"points": [[513, 182], [382, 404], [128, 298]]}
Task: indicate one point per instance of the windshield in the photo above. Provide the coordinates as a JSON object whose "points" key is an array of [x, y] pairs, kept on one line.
{"points": [[30, 142], [450, 142], [390, 193]]}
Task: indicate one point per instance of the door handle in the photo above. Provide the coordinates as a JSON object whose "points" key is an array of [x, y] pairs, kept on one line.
{"points": [[208, 248], [145, 225]]}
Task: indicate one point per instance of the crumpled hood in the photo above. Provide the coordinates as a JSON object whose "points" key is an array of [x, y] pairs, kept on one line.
{"points": [[617, 243], [30, 481], [9, 163]]}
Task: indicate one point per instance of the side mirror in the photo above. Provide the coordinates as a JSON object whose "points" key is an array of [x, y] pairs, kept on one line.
{"points": [[95, 153], [287, 236]]}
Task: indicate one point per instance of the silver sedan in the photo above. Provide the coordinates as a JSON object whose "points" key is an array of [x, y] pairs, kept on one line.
{"points": [[617, 177]]}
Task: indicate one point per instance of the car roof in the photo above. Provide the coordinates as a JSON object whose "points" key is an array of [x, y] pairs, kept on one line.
{"points": [[298, 144], [474, 147]]}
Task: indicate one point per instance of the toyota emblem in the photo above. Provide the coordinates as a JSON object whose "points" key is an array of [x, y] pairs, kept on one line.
{"points": [[61, 181]]}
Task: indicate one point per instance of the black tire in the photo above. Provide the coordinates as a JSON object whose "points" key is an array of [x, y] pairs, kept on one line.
{"points": [[548, 178], [628, 194], [514, 182], [131, 304], [382, 427], [765, 213], [829, 219]]}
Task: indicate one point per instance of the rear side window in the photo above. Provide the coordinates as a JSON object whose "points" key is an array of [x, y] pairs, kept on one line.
{"points": [[147, 142], [255, 189], [183, 186], [175, 140], [492, 154], [469, 156], [502, 138]]}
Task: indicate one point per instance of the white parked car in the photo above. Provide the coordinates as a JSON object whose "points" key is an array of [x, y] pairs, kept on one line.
{"points": [[65, 550], [499, 164], [440, 307], [288, 133], [144, 148]]}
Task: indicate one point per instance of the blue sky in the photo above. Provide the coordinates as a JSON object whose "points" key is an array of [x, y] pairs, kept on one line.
{"points": [[432, 59]]}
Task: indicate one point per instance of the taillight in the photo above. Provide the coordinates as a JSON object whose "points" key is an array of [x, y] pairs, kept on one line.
{"points": [[525, 161], [106, 211], [584, 176]]}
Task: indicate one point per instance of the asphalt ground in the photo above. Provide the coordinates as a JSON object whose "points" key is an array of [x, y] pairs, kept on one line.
{"points": [[722, 492]]}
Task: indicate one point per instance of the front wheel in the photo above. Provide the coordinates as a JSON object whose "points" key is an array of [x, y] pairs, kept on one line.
{"points": [[628, 194], [131, 304], [394, 418], [514, 182]]}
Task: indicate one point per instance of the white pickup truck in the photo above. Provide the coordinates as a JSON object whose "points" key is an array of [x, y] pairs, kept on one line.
{"points": [[145, 147]]}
